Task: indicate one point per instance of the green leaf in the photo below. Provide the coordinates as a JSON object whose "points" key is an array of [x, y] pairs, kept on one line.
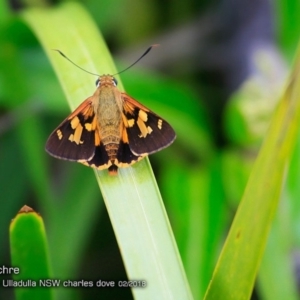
{"points": [[29, 253], [241, 255], [132, 198]]}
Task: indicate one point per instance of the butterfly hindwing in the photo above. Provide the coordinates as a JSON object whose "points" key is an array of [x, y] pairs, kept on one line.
{"points": [[100, 159], [146, 132], [74, 138], [125, 157]]}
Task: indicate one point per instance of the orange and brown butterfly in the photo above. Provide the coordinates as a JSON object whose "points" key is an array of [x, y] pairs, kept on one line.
{"points": [[109, 129]]}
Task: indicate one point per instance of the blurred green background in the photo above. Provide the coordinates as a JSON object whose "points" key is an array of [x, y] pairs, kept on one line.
{"points": [[216, 78]]}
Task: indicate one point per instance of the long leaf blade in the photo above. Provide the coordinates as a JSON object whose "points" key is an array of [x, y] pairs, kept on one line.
{"points": [[239, 261], [132, 198]]}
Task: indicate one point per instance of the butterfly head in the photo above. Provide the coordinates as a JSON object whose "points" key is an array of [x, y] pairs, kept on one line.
{"points": [[106, 80]]}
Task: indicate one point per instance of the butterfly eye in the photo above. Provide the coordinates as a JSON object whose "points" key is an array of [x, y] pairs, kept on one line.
{"points": [[115, 81], [97, 82]]}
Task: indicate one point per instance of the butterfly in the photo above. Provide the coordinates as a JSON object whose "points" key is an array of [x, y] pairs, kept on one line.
{"points": [[109, 130]]}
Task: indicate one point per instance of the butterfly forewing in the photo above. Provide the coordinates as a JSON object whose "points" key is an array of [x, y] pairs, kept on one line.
{"points": [[147, 132], [74, 138]]}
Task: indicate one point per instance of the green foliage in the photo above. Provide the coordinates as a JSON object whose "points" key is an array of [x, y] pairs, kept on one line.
{"points": [[202, 183], [242, 253], [29, 252]]}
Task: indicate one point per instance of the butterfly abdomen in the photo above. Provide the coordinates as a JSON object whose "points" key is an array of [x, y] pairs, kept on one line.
{"points": [[109, 120], [110, 137]]}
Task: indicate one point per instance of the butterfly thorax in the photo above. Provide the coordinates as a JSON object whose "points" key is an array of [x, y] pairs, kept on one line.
{"points": [[109, 115]]}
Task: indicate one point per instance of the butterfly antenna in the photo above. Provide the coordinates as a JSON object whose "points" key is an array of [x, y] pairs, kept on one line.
{"points": [[145, 53], [67, 58]]}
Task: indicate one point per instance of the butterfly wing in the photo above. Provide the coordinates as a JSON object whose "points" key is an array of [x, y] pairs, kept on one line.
{"points": [[77, 137], [145, 132], [74, 139]]}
